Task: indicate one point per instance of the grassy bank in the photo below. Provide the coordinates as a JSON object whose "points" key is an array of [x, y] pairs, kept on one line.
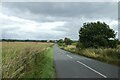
{"points": [[108, 55], [27, 60]]}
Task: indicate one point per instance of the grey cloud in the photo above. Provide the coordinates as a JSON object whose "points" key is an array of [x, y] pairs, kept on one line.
{"points": [[7, 35], [71, 29], [69, 9], [71, 13]]}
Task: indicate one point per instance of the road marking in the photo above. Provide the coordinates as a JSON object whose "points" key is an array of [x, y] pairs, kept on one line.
{"points": [[92, 69], [69, 56]]}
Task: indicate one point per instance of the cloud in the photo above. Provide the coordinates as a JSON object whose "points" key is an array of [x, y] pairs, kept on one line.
{"points": [[60, 1], [64, 10], [36, 20], [15, 27]]}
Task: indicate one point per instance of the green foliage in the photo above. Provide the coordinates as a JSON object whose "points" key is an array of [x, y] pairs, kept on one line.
{"points": [[75, 43], [48, 64], [42, 66], [113, 43], [108, 55], [95, 35], [79, 45], [118, 41], [68, 41], [51, 41], [60, 42]]}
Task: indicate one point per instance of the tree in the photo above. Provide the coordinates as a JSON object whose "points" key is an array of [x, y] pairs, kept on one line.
{"points": [[60, 41], [96, 34], [68, 41]]}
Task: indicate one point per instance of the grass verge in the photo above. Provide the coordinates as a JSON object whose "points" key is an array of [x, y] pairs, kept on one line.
{"points": [[43, 66], [107, 55]]}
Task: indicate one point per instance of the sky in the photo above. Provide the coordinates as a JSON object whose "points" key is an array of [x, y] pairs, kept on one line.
{"points": [[54, 20]]}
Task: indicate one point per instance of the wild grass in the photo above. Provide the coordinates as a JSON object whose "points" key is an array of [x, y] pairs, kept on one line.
{"points": [[108, 55], [27, 60]]}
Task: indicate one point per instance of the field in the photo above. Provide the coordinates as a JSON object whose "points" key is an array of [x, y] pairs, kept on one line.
{"points": [[27, 60], [108, 55]]}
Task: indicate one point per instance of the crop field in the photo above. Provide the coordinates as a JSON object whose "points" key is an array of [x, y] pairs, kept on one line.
{"points": [[27, 60]]}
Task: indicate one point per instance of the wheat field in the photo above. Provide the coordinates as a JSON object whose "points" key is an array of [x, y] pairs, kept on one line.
{"points": [[20, 57]]}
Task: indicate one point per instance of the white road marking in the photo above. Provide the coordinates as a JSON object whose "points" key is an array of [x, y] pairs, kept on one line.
{"points": [[92, 69], [69, 56]]}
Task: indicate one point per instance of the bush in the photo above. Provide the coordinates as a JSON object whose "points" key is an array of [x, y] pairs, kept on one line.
{"points": [[68, 41]]}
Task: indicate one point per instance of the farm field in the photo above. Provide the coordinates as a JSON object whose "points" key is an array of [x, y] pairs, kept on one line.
{"points": [[27, 60]]}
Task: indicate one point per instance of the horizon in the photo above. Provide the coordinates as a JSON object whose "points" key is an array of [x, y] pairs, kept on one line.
{"points": [[34, 39]]}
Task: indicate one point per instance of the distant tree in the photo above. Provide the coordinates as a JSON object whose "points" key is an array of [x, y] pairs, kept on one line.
{"points": [[43, 41], [68, 41], [51, 41], [96, 34], [60, 42]]}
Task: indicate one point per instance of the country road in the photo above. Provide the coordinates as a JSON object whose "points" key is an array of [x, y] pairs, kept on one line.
{"points": [[70, 65]]}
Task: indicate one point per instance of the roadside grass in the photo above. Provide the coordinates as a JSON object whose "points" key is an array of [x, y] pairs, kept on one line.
{"points": [[43, 66], [108, 55], [27, 60], [48, 67]]}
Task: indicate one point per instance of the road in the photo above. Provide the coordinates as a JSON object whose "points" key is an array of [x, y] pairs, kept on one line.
{"points": [[69, 65]]}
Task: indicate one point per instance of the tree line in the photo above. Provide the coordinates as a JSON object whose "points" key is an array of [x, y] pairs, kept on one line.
{"points": [[66, 41], [16, 40]]}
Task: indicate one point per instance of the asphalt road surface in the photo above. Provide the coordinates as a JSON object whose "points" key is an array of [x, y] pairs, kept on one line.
{"points": [[69, 65]]}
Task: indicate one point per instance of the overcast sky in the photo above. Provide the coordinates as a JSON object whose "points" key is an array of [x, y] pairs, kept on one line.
{"points": [[38, 20]]}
